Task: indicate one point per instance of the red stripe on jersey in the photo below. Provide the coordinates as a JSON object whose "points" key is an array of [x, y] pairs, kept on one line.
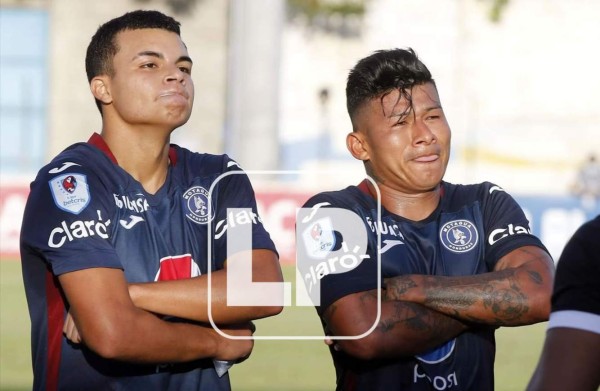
{"points": [[364, 187], [176, 268], [56, 319], [97, 141]]}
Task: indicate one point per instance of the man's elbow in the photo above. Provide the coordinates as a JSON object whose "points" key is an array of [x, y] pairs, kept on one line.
{"points": [[266, 311], [373, 346], [541, 305], [363, 348], [111, 339], [107, 343]]}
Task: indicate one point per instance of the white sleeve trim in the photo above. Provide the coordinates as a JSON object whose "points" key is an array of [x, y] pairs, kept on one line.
{"points": [[575, 320]]}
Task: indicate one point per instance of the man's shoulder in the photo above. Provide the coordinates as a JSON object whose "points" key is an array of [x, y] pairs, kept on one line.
{"points": [[472, 192], [78, 157], [471, 188], [206, 163], [349, 197]]}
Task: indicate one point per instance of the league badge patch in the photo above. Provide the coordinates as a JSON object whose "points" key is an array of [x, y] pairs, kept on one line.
{"points": [[319, 238], [196, 203], [70, 192], [459, 236]]}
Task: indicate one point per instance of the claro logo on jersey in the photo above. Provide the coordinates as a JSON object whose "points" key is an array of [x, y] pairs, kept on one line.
{"points": [[196, 203], [500, 233], [70, 192], [233, 219], [459, 236], [79, 229]]}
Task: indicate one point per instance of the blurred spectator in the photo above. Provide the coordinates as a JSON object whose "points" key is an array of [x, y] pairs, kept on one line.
{"points": [[587, 183]]}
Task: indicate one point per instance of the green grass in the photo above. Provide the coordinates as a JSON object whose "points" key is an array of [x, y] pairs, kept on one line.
{"points": [[274, 365], [15, 354]]}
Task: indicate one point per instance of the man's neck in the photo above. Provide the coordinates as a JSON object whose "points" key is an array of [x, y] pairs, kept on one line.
{"points": [[144, 154], [412, 206]]}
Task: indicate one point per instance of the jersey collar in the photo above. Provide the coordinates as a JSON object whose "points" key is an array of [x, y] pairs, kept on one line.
{"points": [[364, 187], [97, 141]]}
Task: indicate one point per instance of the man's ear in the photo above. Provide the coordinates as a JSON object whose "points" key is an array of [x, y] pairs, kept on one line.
{"points": [[357, 145], [100, 89]]}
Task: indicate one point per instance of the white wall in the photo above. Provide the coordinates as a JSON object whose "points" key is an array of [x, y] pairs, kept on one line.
{"points": [[522, 95]]}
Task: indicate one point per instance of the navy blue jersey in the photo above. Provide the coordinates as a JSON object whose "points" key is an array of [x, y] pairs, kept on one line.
{"points": [[84, 211], [471, 229], [576, 295]]}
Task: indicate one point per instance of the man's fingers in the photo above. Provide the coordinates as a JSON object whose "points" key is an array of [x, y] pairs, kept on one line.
{"points": [[70, 330]]}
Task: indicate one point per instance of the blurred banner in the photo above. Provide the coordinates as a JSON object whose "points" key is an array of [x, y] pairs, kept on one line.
{"points": [[553, 219]]}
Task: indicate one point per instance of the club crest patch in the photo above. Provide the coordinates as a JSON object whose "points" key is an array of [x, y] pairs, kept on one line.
{"points": [[459, 236], [319, 238], [196, 204], [70, 192]]}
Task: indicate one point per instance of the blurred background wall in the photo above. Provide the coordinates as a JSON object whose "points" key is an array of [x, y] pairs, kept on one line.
{"points": [[518, 79]]}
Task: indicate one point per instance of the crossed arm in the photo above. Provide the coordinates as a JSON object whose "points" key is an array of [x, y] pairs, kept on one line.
{"points": [[188, 299], [403, 329], [113, 327], [516, 293], [419, 312], [103, 314]]}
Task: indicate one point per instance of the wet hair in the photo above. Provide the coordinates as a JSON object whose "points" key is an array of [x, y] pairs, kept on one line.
{"points": [[382, 72], [103, 46]]}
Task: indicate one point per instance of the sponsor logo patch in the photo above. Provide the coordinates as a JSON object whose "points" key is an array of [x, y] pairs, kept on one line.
{"points": [[459, 236], [70, 192], [319, 238], [196, 203]]}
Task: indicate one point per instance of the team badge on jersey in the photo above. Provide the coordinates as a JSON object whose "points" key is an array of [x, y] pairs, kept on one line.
{"points": [[70, 192], [459, 236], [319, 238], [196, 202]]}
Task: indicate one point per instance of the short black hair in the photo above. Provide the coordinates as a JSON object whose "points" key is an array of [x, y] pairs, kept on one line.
{"points": [[382, 72], [103, 46]]}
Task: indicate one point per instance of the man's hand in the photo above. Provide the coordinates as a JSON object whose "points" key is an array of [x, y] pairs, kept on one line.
{"points": [[70, 330], [237, 350]]}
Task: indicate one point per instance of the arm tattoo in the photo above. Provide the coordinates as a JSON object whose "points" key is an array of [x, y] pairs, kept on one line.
{"points": [[507, 303], [397, 287]]}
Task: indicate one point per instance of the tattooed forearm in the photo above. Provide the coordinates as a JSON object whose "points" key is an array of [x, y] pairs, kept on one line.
{"points": [[500, 298], [396, 288], [419, 327], [501, 295]]}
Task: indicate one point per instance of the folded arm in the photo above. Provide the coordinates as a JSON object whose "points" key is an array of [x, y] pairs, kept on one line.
{"points": [[113, 327], [404, 329], [516, 293], [189, 298]]}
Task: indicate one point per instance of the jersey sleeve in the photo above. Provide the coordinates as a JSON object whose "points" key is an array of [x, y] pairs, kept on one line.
{"points": [[576, 295], [505, 225], [67, 219], [235, 192], [333, 262]]}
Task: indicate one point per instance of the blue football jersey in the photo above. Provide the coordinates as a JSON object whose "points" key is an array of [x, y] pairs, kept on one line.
{"points": [[471, 229], [84, 211], [576, 294]]}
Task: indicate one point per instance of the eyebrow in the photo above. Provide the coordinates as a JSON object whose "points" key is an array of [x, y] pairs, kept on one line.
{"points": [[411, 109], [160, 56]]}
